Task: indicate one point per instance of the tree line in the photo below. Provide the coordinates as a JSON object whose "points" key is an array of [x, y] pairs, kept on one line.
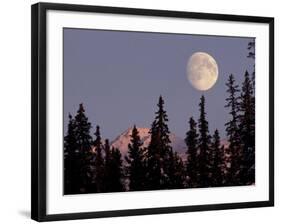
{"points": [[91, 165], [211, 164]]}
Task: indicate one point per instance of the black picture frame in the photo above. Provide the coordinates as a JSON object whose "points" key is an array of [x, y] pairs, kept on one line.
{"points": [[39, 122]]}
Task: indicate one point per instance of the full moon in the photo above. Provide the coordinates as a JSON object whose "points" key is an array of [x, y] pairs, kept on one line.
{"points": [[202, 71]]}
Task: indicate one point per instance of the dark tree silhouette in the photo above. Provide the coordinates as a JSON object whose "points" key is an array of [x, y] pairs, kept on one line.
{"points": [[71, 166], [84, 151], [191, 142], [108, 173], [117, 171], [217, 160], [99, 171], [158, 150], [247, 130], [136, 164], [251, 49], [233, 133], [251, 157], [252, 55], [175, 171], [204, 147]]}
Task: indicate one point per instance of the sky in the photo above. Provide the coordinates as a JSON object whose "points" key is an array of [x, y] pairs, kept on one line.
{"points": [[119, 76]]}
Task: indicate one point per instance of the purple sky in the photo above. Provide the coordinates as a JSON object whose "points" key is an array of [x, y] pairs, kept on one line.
{"points": [[120, 75]]}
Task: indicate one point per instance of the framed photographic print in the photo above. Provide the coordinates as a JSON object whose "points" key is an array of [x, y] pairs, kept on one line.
{"points": [[138, 111]]}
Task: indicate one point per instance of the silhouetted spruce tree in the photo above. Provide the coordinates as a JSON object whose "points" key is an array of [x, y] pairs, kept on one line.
{"points": [[112, 170], [175, 171], [191, 142], [136, 165], [158, 150], [204, 158], [247, 131], [117, 171], [98, 162], [71, 167], [153, 161], [251, 49], [217, 160], [233, 134], [108, 172], [84, 151], [252, 55]]}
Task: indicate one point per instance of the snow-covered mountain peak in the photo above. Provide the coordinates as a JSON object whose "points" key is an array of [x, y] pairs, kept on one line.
{"points": [[122, 141]]}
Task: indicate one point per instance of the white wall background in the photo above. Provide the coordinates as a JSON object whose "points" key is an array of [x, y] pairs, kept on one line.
{"points": [[15, 110]]}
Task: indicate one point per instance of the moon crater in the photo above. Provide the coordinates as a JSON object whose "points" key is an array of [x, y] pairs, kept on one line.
{"points": [[202, 71]]}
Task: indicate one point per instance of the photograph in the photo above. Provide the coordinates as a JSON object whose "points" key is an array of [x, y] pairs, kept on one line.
{"points": [[145, 111]]}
